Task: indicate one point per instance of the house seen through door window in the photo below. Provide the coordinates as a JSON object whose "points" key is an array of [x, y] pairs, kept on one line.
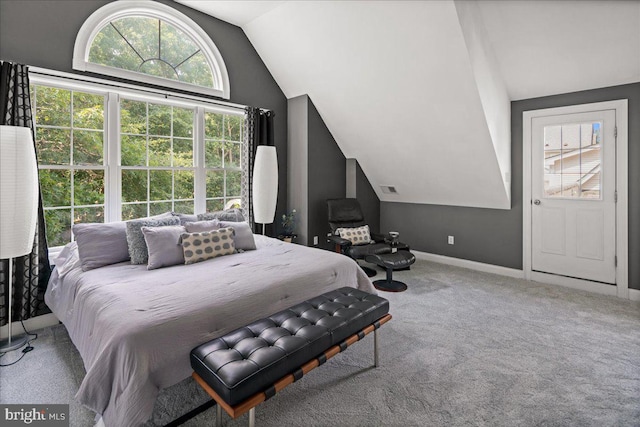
{"points": [[572, 160]]}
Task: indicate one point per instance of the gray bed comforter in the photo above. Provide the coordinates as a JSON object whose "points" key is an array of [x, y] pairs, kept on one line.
{"points": [[134, 328]]}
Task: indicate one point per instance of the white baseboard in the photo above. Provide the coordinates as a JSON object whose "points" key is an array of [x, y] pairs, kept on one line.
{"points": [[585, 285], [569, 282], [473, 265], [32, 324]]}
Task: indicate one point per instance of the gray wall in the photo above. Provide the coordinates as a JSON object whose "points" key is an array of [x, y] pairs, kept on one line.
{"points": [[327, 176], [42, 34], [369, 201], [495, 236], [298, 166], [318, 171]]}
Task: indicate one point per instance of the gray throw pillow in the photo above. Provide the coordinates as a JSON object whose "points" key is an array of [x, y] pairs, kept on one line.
{"points": [[184, 218], [101, 244], [243, 237], [233, 215], [159, 216], [164, 245], [200, 226], [135, 239]]}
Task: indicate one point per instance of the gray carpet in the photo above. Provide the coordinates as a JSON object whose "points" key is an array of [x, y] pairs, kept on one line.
{"points": [[464, 349]]}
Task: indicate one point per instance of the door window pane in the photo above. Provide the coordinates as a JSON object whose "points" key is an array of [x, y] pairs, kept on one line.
{"points": [[572, 160]]}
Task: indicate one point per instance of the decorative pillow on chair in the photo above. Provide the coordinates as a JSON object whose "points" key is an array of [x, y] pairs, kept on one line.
{"points": [[163, 245], [208, 244], [135, 238], [357, 236]]}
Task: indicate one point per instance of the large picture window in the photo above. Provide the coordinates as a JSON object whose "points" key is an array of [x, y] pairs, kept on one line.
{"points": [[152, 161]]}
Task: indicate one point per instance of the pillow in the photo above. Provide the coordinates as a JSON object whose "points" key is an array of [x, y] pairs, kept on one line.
{"points": [[101, 244], [200, 226], [208, 244], [135, 239], [243, 237], [185, 217], [357, 236], [163, 245], [233, 215], [159, 216]]}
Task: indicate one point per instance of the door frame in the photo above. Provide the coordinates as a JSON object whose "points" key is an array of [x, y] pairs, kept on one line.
{"points": [[621, 289]]}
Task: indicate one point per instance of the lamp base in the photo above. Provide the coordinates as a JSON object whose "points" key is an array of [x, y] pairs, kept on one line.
{"points": [[16, 342]]}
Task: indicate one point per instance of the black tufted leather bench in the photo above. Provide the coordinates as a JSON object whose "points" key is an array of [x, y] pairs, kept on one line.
{"points": [[249, 365]]}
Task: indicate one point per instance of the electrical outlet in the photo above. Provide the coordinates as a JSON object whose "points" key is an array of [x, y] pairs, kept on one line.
{"points": [[450, 240], [315, 240]]}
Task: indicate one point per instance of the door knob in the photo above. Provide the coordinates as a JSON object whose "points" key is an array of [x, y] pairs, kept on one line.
{"points": [[536, 202]]}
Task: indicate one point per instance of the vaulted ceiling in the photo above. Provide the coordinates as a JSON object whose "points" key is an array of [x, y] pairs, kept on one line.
{"points": [[419, 91]]}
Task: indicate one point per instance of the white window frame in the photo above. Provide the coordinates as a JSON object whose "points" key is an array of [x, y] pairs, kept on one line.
{"points": [[112, 146], [150, 9]]}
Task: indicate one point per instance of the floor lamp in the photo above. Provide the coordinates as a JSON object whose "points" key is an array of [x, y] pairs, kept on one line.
{"points": [[265, 185], [18, 208]]}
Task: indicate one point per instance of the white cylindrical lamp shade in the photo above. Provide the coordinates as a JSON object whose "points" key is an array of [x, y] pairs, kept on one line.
{"points": [[265, 184], [18, 191]]}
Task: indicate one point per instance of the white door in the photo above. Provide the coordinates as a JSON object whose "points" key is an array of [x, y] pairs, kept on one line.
{"points": [[573, 209]]}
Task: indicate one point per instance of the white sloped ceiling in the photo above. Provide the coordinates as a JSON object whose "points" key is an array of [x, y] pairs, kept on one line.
{"points": [[412, 89]]}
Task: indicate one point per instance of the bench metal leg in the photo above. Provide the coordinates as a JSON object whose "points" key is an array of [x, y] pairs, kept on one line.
{"points": [[375, 348], [218, 415], [252, 417]]}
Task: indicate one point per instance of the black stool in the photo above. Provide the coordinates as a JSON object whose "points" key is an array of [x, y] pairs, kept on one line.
{"points": [[390, 262]]}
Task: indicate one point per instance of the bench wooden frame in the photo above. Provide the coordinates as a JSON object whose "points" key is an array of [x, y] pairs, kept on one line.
{"points": [[250, 403]]}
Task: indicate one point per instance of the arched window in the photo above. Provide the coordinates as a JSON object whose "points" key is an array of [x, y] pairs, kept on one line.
{"points": [[153, 43]]}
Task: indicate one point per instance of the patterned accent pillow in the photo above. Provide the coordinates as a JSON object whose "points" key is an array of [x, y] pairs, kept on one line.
{"points": [[135, 239], [207, 244], [357, 236]]}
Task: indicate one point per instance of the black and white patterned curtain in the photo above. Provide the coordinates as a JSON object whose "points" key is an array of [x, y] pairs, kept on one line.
{"points": [[258, 130], [30, 272]]}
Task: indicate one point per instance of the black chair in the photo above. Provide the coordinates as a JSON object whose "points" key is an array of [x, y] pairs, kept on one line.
{"points": [[346, 213]]}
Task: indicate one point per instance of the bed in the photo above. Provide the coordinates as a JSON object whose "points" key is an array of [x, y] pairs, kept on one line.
{"points": [[134, 328]]}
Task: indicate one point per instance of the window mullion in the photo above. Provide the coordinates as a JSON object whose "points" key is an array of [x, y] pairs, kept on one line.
{"points": [[113, 191], [200, 178]]}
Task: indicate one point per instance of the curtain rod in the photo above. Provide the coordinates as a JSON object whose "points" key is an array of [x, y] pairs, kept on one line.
{"points": [[111, 83]]}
